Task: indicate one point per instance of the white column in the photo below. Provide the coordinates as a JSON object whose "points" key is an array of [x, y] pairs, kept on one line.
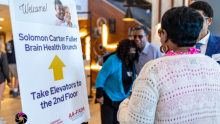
{"points": [[178, 3], [186, 2], [155, 39], [165, 5]]}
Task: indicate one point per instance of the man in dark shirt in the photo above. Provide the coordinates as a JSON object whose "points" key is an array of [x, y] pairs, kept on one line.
{"points": [[12, 66]]}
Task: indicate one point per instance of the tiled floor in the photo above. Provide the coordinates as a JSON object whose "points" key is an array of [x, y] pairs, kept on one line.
{"points": [[11, 106]]}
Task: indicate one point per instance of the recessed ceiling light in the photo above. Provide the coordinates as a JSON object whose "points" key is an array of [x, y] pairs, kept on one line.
{"points": [[1, 19], [0, 27]]}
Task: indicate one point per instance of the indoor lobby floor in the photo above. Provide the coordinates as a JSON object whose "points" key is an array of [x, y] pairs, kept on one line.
{"points": [[11, 106]]}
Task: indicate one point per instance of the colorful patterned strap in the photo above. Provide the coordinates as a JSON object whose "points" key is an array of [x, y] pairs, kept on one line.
{"points": [[191, 51]]}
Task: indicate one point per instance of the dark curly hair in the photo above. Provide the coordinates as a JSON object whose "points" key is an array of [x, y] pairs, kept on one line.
{"points": [[123, 49], [204, 6], [141, 27], [183, 25]]}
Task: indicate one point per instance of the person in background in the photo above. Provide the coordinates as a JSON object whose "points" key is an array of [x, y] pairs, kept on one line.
{"points": [[147, 51], [4, 73], [115, 79], [208, 43], [67, 16], [10, 52], [59, 13], [180, 87]]}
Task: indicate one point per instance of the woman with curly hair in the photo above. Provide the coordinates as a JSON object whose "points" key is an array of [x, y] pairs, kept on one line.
{"points": [[115, 80]]}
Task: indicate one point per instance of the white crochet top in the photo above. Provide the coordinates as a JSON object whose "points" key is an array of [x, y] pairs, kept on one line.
{"points": [[183, 89]]}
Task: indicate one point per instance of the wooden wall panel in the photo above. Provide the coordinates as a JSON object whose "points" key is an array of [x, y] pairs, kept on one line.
{"points": [[102, 9], [172, 3]]}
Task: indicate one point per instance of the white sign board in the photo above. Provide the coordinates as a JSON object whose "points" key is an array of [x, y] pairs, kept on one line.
{"points": [[4, 2], [49, 61]]}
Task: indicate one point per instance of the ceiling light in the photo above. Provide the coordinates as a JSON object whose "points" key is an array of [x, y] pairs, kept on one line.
{"points": [[104, 35], [88, 50], [158, 26], [83, 32], [105, 38], [128, 15], [96, 67], [1, 19]]}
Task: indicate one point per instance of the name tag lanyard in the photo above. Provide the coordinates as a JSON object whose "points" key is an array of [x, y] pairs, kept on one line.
{"points": [[129, 72]]}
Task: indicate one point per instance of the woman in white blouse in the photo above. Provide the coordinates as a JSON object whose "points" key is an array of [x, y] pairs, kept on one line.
{"points": [[181, 87]]}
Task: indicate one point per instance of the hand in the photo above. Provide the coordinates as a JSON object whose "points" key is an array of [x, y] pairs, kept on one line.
{"points": [[100, 100], [9, 84], [129, 97]]}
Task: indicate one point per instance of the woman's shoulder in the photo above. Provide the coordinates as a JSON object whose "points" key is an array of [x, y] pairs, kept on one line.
{"points": [[149, 67], [113, 57], [175, 60], [113, 60], [185, 57], [181, 60]]}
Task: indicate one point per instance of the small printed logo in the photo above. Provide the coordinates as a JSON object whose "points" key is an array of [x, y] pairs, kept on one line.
{"points": [[59, 121], [21, 118], [76, 114]]}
